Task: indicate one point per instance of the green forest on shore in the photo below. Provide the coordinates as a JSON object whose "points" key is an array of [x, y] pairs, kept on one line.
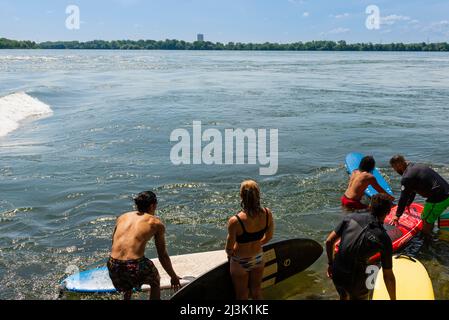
{"points": [[206, 45]]}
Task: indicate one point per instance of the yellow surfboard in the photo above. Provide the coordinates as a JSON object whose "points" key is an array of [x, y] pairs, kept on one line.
{"points": [[412, 281]]}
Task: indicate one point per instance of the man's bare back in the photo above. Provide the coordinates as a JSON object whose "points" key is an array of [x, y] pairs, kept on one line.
{"points": [[128, 267], [133, 231], [358, 182]]}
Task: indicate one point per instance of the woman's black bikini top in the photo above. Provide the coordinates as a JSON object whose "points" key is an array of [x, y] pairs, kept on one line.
{"points": [[247, 237]]}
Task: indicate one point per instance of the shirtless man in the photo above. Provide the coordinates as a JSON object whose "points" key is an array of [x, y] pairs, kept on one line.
{"points": [[128, 267], [358, 182]]}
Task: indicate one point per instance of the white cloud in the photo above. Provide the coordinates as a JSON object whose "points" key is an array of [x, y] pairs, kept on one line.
{"points": [[336, 31], [440, 27], [339, 30], [297, 1], [393, 18], [306, 14], [443, 24], [127, 3], [340, 16]]}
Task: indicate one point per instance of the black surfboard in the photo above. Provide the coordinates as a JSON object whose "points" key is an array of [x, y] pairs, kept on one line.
{"points": [[283, 259]]}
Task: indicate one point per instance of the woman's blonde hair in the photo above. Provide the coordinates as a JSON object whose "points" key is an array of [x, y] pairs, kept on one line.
{"points": [[250, 195]]}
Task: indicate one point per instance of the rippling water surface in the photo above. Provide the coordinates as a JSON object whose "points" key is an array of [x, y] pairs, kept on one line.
{"points": [[64, 178]]}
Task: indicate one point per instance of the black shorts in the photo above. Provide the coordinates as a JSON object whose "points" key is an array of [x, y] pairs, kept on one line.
{"points": [[351, 285], [132, 274]]}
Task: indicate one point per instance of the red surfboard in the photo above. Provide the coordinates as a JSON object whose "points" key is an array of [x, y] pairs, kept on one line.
{"points": [[409, 226]]}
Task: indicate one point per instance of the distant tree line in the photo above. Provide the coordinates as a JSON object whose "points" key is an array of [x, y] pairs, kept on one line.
{"points": [[206, 45], [13, 44]]}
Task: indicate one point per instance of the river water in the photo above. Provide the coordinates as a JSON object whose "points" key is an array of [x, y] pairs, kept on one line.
{"points": [[66, 175]]}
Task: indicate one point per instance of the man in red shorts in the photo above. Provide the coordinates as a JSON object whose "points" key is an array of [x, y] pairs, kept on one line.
{"points": [[358, 182]]}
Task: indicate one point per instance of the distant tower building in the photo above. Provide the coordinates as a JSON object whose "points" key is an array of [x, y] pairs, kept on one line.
{"points": [[200, 37]]}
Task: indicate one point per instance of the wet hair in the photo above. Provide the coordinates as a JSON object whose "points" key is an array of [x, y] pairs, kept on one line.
{"points": [[367, 164], [145, 200], [250, 195], [380, 205], [397, 159]]}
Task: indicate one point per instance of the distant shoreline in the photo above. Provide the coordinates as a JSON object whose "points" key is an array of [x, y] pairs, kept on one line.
{"points": [[217, 46]]}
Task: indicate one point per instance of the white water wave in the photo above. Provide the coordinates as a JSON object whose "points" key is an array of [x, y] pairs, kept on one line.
{"points": [[17, 107], [27, 58]]}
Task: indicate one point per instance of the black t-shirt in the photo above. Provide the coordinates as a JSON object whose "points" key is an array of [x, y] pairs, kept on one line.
{"points": [[422, 180], [362, 236]]}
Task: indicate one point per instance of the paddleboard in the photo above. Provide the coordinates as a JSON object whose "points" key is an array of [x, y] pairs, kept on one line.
{"points": [[409, 226], [188, 267], [282, 259], [412, 281], [352, 163]]}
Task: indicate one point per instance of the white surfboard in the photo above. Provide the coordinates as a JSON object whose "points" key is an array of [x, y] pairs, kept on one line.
{"points": [[189, 267]]}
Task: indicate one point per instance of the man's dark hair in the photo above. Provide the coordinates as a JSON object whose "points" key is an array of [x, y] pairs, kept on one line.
{"points": [[381, 205], [367, 164], [397, 159], [144, 201]]}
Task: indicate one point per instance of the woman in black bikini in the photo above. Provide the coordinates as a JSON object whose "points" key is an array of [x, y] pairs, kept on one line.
{"points": [[248, 231]]}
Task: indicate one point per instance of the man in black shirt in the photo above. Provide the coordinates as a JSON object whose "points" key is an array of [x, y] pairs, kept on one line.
{"points": [[422, 180], [362, 236]]}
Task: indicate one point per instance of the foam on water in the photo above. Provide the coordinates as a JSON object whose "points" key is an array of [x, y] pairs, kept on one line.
{"points": [[17, 107], [27, 58]]}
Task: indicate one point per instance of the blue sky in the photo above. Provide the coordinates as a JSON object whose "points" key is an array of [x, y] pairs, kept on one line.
{"points": [[227, 20]]}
